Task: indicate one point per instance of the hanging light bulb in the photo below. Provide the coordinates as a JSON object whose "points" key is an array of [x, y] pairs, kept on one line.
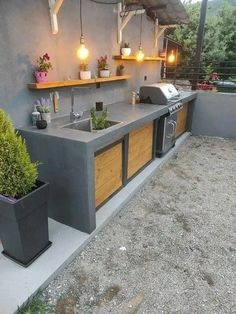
{"points": [[140, 53], [171, 57], [82, 52]]}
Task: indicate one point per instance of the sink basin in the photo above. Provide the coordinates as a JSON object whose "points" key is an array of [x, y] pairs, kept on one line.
{"points": [[86, 125]]}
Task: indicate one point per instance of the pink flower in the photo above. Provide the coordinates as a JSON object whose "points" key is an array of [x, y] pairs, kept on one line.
{"points": [[46, 56]]}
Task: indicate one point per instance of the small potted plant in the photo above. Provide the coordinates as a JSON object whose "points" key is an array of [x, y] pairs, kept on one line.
{"points": [[120, 69], [43, 107], [43, 66], [84, 73], [103, 67], [126, 50], [99, 121], [23, 199]]}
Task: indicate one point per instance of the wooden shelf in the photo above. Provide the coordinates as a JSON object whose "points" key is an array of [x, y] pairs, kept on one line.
{"points": [[133, 58], [69, 83]]}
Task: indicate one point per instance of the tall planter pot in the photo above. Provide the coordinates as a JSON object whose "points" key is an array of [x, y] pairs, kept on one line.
{"points": [[24, 225]]}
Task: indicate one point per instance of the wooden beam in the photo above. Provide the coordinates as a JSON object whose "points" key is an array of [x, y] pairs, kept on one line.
{"points": [[123, 18]]}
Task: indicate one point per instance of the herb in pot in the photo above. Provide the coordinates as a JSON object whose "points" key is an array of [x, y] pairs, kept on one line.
{"points": [[99, 121]]}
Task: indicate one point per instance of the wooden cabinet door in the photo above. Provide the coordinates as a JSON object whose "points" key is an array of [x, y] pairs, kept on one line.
{"points": [[182, 117], [108, 173], [140, 148]]}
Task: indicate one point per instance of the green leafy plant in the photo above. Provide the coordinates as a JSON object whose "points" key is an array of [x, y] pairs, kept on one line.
{"points": [[99, 121], [43, 109], [18, 174], [102, 63], [44, 64], [36, 306], [126, 45], [83, 66]]}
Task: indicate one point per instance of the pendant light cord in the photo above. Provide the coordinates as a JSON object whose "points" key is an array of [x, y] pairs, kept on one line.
{"points": [[81, 22], [141, 29]]}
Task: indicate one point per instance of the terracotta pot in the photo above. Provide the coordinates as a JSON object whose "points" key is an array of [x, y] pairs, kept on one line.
{"points": [[104, 73], [85, 75], [41, 76], [126, 52]]}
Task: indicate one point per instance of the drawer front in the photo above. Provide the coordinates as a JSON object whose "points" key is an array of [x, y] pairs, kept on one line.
{"points": [[108, 173], [140, 149]]}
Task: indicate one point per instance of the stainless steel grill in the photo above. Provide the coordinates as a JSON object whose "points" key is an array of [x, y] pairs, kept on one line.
{"points": [[163, 94]]}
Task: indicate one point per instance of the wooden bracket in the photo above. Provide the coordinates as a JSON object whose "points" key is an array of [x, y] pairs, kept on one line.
{"points": [[123, 18], [54, 7], [159, 31]]}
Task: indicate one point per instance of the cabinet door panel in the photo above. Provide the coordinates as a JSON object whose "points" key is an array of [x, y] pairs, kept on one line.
{"points": [[140, 150], [182, 116], [108, 173]]}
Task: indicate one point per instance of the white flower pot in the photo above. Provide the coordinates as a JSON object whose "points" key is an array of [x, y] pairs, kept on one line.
{"points": [[85, 75], [126, 52], [46, 116], [104, 73]]}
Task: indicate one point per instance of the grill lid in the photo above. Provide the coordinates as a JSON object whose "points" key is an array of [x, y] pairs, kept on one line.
{"points": [[158, 93]]}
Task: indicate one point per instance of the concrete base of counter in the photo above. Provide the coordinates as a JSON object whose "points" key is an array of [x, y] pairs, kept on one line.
{"points": [[18, 284]]}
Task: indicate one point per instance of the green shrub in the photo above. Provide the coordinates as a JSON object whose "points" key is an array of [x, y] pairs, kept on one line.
{"points": [[5, 122], [18, 174]]}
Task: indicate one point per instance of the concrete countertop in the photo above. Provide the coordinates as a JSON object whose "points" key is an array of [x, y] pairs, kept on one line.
{"points": [[130, 116]]}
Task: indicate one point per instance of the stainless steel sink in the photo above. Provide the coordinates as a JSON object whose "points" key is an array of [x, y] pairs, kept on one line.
{"points": [[86, 125]]}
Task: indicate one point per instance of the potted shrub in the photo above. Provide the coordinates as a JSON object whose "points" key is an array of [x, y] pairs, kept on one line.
{"points": [[23, 199], [84, 73], [43, 66], [120, 69], [126, 50], [103, 67]]}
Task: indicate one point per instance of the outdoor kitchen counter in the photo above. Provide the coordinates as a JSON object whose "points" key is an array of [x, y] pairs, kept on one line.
{"points": [[68, 157], [130, 116]]}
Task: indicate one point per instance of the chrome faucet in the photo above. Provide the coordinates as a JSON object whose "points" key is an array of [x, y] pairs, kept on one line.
{"points": [[74, 116]]}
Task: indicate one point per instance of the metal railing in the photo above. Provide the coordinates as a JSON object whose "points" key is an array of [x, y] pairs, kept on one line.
{"points": [[220, 76]]}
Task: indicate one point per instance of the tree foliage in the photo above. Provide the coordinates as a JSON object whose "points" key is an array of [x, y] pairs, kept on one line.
{"points": [[220, 32]]}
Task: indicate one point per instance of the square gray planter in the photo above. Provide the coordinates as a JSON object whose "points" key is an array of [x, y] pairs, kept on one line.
{"points": [[24, 225]]}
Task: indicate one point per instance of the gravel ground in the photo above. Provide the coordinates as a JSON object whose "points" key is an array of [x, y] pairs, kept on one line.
{"points": [[170, 250]]}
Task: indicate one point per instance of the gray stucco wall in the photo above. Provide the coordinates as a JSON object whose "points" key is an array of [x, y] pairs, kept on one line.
{"points": [[25, 33], [215, 115]]}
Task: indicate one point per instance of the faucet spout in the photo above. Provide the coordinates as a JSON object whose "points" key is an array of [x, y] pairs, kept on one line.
{"points": [[75, 115]]}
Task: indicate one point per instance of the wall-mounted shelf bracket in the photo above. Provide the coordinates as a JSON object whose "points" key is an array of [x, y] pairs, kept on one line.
{"points": [[54, 7], [159, 31], [123, 18]]}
